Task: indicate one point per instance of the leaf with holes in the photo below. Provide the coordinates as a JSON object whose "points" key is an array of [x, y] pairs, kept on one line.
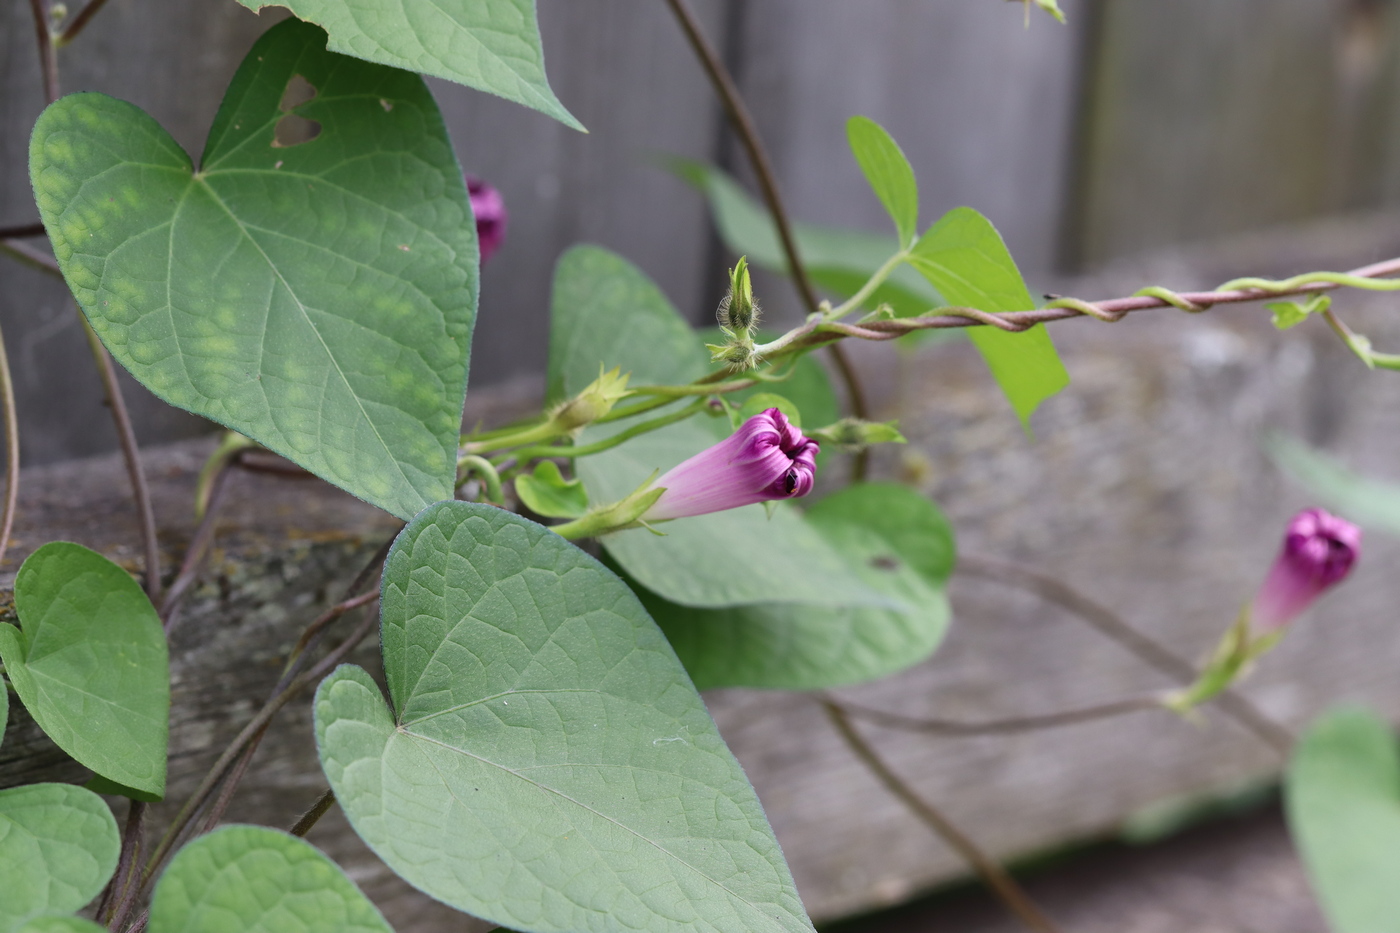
{"points": [[547, 764], [963, 256], [491, 45], [899, 542], [250, 879], [58, 847], [888, 172], [316, 297], [1343, 801], [90, 663]]}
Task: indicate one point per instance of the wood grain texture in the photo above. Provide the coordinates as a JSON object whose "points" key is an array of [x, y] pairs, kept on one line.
{"points": [[1203, 119]]}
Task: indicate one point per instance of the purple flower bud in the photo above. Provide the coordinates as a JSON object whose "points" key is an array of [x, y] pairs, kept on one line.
{"points": [[490, 210], [766, 458], [1318, 552]]}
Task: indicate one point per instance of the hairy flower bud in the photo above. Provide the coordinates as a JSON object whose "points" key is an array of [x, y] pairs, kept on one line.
{"points": [[766, 458], [1318, 552], [593, 402], [490, 210], [738, 311]]}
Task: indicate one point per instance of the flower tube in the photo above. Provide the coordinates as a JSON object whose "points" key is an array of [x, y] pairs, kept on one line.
{"points": [[1318, 552], [766, 458]]}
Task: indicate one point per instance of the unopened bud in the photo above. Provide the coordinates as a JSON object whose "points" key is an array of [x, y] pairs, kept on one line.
{"points": [[738, 355], [739, 311], [593, 402]]}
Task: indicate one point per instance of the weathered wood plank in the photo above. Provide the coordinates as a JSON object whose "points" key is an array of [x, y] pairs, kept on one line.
{"points": [[1203, 119]]}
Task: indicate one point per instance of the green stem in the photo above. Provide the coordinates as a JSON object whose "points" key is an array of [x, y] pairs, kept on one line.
{"points": [[608, 443], [7, 395], [868, 289], [546, 431], [480, 465]]}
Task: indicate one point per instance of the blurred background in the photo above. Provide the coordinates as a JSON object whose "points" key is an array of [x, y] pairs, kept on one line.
{"points": [[1139, 125], [1181, 143]]}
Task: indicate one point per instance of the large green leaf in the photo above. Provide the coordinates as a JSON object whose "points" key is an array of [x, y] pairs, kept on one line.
{"points": [[964, 257], [4, 708], [838, 260], [1343, 798], [606, 312], [898, 542], [888, 172], [58, 847], [251, 879], [547, 764], [1368, 502], [317, 297], [57, 924], [726, 558], [91, 664], [491, 45]]}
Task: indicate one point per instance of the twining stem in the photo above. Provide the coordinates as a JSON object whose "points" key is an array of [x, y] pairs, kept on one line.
{"points": [[738, 112], [48, 57], [247, 739], [869, 288], [197, 549], [122, 889], [22, 231], [318, 810], [70, 32], [131, 454], [125, 885], [29, 256], [1146, 648], [490, 478], [992, 874], [7, 400], [1007, 726]]}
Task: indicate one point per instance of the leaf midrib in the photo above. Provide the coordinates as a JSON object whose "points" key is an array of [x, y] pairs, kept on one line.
{"points": [[301, 307]]}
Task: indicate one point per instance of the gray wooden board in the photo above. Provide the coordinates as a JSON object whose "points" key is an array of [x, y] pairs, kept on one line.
{"points": [[1203, 119]]}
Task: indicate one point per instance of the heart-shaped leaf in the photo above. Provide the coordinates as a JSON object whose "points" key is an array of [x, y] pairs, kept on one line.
{"points": [[251, 879], [963, 256], [1343, 799], [317, 297], [58, 847], [491, 45], [547, 765], [91, 665], [899, 543]]}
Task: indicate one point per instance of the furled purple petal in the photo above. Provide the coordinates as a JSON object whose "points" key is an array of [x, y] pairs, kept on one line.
{"points": [[766, 458], [490, 210], [1318, 552]]}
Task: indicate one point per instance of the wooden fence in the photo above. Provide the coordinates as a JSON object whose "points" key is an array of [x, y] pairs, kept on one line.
{"points": [[1141, 124]]}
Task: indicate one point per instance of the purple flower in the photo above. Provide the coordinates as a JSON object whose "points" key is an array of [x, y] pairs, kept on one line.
{"points": [[490, 210], [766, 458], [1318, 552]]}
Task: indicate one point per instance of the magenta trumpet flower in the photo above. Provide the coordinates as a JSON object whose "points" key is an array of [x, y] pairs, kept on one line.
{"points": [[1318, 552], [766, 458], [490, 210]]}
